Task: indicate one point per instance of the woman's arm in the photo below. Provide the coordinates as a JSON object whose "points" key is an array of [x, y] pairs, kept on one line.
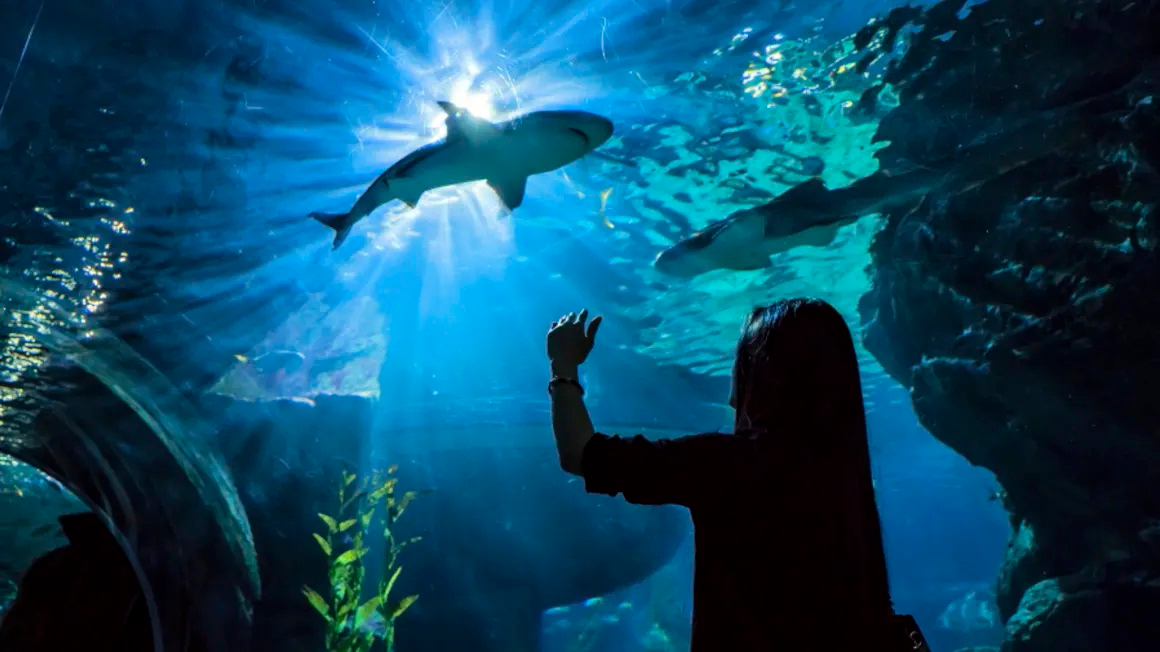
{"points": [[571, 424], [570, 340], [684, 471], [692, 471]]}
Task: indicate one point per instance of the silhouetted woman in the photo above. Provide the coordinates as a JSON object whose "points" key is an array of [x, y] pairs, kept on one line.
{"points": [[788, 544]]}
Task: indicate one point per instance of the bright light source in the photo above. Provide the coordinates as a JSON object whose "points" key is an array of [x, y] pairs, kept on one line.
{"points": [[463, 94], [478, 104]]}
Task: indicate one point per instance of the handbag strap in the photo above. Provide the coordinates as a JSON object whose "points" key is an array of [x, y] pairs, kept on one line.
{"points": [[908, 634]]}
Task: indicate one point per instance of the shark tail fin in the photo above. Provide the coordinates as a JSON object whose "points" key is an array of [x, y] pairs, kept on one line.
{"points": [[340, 222]]}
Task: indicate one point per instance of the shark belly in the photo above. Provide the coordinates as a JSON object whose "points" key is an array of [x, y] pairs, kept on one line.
{"points": [[451, 167], [504, 161], [528, 151], [815, 236]]}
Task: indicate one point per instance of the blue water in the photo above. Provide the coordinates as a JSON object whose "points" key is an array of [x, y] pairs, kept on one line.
{"points": [[161, 159]]}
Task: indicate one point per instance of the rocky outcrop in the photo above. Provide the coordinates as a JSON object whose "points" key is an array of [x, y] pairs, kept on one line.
{"points": [[1076, 614], [1020, 313]]}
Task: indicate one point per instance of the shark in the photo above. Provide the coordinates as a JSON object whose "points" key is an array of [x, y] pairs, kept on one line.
{"points": [[810, 214], [503, 154]]}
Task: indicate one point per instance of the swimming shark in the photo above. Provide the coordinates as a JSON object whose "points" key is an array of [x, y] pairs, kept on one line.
{"points": [[503, 154], [810, 214]]}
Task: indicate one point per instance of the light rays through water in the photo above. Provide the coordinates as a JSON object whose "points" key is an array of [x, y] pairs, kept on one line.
{"points": [[325, 105]]}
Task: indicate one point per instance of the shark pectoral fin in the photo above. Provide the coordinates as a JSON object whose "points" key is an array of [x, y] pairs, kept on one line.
{"points": [[738, 242], [511, 191], [820, 236], [411, 199]]}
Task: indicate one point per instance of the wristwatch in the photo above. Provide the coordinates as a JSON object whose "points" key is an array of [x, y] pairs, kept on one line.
{"points": [[561, 380]]}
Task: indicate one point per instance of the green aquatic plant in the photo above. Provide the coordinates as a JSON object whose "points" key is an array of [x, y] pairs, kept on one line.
{"points": [[353, 625]]}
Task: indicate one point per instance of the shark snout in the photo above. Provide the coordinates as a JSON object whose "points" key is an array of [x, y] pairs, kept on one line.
{"points": [[595, 129], [679, 262]]}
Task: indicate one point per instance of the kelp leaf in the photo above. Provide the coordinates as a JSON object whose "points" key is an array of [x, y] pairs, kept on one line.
{"points": [[389, 584], [330, 522], [396, 510], [322, 544], [385, 489], [346, 525], [317, 601], [401, 606], [350, 556], [350, 501], [364, 612]]}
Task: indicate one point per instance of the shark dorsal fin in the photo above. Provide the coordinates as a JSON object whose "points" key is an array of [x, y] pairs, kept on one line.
{"points": [[461, 124], [806, 192]]}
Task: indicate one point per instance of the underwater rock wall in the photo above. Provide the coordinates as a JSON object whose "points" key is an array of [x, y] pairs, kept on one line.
{"points": [[1020, 314]]}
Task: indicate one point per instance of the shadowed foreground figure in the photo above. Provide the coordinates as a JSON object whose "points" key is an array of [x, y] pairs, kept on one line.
{"points": [[788, 544], [83, 596]]}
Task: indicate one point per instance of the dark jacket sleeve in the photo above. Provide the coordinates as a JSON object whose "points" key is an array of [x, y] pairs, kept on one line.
{"points": [[692, 470]]}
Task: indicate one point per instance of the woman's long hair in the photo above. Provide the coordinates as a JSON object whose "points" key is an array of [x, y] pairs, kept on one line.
{"points": [[796, 375]]}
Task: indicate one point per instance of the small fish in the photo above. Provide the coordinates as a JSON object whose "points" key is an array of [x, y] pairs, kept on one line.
{"points": [[503, 154], [604, 195], [277, 360], [572, 184]]}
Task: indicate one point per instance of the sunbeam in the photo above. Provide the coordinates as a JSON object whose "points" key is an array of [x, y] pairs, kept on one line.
{"points": [[336, 100]]}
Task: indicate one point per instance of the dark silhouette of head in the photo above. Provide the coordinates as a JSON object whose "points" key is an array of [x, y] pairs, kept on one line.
{"points": [[795, 365], [796, 376]]}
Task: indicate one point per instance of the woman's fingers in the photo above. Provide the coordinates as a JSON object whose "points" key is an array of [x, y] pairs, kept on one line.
{"points": [[593, 326], [577, 319]]}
